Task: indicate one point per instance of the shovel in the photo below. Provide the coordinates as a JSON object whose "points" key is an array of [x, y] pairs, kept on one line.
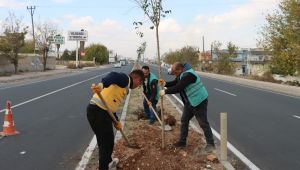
{"points": [[115, 121], [155, 113], [167, 127]]}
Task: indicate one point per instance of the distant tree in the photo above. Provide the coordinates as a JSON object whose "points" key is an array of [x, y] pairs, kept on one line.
{"points": [[190, 55], [224, 65], [28, 47], [139, 54], [187, 54], [281, 36], [43, 33], [99, 51], [141, 51], [68, 55], [173, 56], [216, 47], [13, 39]]}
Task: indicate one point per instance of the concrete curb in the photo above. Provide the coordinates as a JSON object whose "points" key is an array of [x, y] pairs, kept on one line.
{"points": [[118, 135]]}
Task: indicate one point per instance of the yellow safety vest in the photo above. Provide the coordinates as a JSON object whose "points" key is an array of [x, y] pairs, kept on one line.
{"points": [[113, 96]]}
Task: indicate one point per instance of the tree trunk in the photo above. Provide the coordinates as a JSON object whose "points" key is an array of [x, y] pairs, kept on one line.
{"points": [[161, 88], [44, 60], [16, 64]]}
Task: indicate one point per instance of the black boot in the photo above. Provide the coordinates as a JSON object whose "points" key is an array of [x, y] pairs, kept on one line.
{"points": [[179, 144]]}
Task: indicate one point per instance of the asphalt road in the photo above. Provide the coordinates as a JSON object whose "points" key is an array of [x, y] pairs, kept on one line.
{"points": [[264, 126], [50, 115], [51, 118]]}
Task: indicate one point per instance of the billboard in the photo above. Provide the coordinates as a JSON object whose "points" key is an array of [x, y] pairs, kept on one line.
{"points": [[78, 35]]}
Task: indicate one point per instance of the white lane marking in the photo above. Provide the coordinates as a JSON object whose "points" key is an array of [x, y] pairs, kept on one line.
{"points": [[58, 76], [252, 87], [87, 154], [177, 99], [225, 92], [296, 116], [55, 91], [241, 156], [33, 82]]}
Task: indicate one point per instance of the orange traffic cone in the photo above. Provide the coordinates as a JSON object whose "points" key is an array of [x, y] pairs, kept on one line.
{"points": [[9, 125]]}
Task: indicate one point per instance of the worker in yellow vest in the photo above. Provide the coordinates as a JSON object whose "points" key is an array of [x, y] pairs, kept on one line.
{"points": [[114, 88]]}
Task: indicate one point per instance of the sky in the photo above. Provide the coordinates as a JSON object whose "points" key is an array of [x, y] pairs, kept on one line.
{"points": [[110, 22]]}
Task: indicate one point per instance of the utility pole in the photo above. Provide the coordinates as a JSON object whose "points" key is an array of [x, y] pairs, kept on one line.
{"points": [[203, 43], [211, 51], [31, 10]]}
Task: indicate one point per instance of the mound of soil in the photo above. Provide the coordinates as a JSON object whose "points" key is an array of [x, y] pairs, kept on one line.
{"points": [[152, 156]]}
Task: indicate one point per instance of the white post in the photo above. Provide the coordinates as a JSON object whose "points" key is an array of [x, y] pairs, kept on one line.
{"points": [[76, 54], [223, 136]]}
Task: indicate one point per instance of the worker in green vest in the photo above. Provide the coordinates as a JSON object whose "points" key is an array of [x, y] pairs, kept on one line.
{"points": [[151, 91], [195, 98]]}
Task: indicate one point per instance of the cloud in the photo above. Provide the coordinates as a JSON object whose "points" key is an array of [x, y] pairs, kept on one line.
{"points": [[240, 24], [169, 25], [12, 4], [109, 32], [63, 1]]}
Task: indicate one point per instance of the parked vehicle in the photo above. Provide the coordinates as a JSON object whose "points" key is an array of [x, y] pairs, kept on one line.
{"points": [[117, 65], [123, 62]]}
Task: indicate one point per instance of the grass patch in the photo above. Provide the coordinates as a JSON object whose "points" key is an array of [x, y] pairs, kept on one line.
{"points": [[5, 74]]}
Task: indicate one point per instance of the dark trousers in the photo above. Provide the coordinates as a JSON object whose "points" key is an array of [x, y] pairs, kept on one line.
{"points": [[200, 112], [101, 124], [149, 114]]}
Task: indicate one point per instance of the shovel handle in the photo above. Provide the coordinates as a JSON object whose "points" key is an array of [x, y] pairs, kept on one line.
{"points": [[112, 116], [155, 113]]}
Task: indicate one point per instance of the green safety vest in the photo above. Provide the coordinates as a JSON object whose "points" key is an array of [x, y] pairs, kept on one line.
{"points": [[151, 78], [195, 92]]}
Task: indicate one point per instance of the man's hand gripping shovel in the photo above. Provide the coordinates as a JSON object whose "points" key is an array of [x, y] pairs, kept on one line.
{"points": [[97, 89]]}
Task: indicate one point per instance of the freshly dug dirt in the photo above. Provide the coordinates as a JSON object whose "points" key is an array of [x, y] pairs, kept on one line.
{"points": [[151, 156]]}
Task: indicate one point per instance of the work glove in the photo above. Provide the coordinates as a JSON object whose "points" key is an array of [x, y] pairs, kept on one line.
{"points": [[162, 82], [162, 93], [118, 125], [97, 88]]}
